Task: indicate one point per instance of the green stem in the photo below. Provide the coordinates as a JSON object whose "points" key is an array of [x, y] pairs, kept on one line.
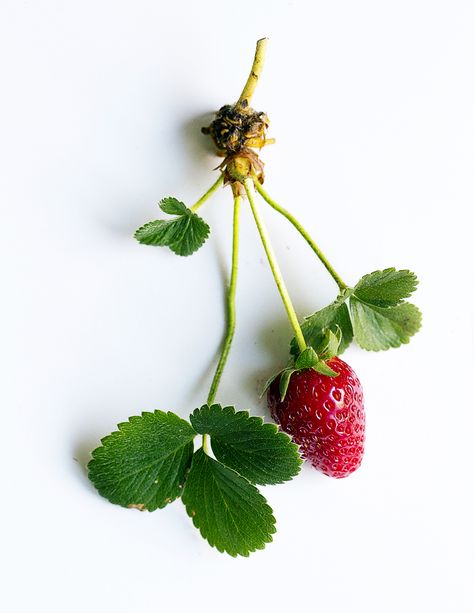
{"points": [[230, 304], [248, 184], [342, 286], [255, 72], [208, 194]]}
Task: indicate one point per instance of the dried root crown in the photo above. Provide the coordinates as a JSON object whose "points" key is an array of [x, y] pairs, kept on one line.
{"points": [[236, 129]]}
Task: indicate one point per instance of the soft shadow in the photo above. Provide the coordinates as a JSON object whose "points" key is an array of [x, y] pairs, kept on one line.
{"points": [[200, 148], [133, 207], [199, 145], [128, 215], [199, 154], [82, 450], [81, 455], [275, 339], [223, 269]]}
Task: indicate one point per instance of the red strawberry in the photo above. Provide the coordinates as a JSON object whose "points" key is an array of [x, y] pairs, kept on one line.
{"points": [[325, 416]]}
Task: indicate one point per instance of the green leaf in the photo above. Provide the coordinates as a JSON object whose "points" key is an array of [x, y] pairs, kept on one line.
{"points": [[172, 206], [144, 464], [256, 450], [184, 235], [385, 288], [227, 509], [333, 317], [377, 328]]}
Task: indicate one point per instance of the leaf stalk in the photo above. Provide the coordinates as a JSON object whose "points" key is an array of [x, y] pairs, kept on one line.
{"points": [[231, 311], [258, 186], [272, 260], [208, 194]]}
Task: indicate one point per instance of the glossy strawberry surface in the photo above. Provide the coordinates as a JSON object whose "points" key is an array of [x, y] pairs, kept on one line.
{"points": [[325, 416]]}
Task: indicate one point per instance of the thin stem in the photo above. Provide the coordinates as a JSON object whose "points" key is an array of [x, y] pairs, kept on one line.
{"points": [[208, 194], [205, 444], [254, 75], [249, 189], [230, 304], [342, 286]]}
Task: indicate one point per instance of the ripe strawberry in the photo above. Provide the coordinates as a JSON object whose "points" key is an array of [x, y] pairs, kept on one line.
{"points": [[325, 415]]}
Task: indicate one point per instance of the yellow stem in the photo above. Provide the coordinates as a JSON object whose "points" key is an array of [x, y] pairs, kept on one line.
{"points": [[254, 75]]}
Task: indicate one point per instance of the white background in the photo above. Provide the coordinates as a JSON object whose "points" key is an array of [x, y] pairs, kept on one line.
{"points": [[372, 105]]}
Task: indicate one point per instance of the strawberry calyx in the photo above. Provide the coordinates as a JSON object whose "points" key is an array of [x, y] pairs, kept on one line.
{"points": [[309, 358], [237, 167]]}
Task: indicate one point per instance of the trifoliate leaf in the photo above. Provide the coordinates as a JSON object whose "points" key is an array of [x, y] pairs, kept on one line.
{"points": [[333, 317], [256, 450], [377, 328], [184, 235], [144, 464], [227, 509], [384, 288]]}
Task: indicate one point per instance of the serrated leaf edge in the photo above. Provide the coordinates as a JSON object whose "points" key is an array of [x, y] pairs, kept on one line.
{"points": [[203, 532], [389, 345], [275, 428], [161, 204], [412, 275], [189, 214], [133, 418], [121, 429], [253, 418]]}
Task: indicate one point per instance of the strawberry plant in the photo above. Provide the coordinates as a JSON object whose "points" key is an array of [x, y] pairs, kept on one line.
{"points": [[151, 460]]}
